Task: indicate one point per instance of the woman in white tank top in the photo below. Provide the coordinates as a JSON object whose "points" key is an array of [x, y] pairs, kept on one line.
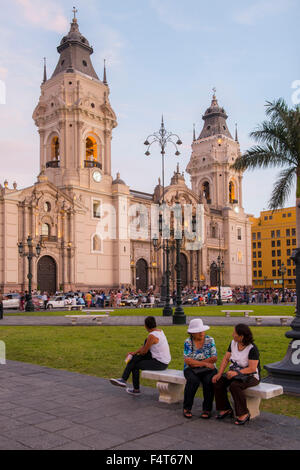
{"points": [[154, 355]]}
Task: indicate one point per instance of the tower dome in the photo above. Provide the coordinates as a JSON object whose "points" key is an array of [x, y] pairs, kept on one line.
{"points": [[214, 121], [75, 52]]}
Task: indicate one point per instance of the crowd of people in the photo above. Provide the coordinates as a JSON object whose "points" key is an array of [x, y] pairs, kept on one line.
{"points": [[114, 298], [200, 357]]}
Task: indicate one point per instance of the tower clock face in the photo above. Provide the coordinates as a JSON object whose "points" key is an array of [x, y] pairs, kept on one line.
{"points": [[97, 176]]}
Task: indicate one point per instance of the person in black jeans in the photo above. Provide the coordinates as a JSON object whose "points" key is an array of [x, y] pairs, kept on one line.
{"points": [[154, 355], [200, 356], [244, 372]]}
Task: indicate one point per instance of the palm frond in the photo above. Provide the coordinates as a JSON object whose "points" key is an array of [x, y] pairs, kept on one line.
{"points": [[262, 157], [282, 188]]}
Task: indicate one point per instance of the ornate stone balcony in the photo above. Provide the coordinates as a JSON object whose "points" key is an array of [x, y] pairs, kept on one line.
{"points": [[92, 164], [53, 164]]}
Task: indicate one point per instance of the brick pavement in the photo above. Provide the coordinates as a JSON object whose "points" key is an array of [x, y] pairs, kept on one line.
{"points": [[43, 408]]}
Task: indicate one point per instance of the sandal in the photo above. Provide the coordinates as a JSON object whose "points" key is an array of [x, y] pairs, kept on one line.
{"points": [[187, 414], [223, 415], [205, 415], [242, 421]]}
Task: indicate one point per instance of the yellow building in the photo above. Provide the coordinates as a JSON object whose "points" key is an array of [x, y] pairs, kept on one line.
{"points": [[273, 241]]}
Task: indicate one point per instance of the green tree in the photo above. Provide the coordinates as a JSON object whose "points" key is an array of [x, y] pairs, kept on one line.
{"points": [[278, 145]]}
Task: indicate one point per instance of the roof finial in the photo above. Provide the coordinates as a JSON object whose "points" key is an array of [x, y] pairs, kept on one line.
{"points": [[236, 133], [104, 73], [178, 168], [214, 90], [45, 70], [194, 133], [75, 11]]}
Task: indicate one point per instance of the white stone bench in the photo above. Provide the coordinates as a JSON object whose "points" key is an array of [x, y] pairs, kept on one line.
{"points": [[98, 318], [283, 320], [245, 312], [147, 305], [171, 384], [75, 307]]}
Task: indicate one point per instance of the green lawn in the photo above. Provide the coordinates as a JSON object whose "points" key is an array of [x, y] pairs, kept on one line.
{"points": [[207, 310], [101, 351]]}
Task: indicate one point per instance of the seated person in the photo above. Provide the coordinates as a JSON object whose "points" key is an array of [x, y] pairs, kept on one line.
{"points": [[200, 356], [244, 372], [154, 355]]}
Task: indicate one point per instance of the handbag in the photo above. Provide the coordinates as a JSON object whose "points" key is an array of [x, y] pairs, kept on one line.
{"points": [[200, 370]]}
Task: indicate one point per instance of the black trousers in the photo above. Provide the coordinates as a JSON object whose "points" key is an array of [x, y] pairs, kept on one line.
{"points": [[236, 388], [193, 382], [1, 311], [139, 362]]}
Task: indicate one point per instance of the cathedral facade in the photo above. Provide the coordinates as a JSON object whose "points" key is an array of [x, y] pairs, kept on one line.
{"points": [[64, 208]]}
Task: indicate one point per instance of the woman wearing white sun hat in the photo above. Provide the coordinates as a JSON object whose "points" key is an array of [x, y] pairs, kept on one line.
{"points": [[200, 356]]}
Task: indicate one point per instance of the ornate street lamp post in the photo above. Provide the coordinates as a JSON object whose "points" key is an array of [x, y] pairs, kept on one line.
{"points": [[282, 271], [29, 255], [179, 317], [167, 311], [162, 138], [219, 268]]}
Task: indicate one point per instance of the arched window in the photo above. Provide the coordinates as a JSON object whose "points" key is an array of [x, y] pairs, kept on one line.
{"points": [[91, 149], [232, 198], [206, 190], [55, 153], [46, 231], [214, 231]]}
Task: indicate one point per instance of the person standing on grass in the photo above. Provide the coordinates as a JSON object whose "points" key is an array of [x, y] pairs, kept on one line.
{"points": [[154, 355], [45, 300]]}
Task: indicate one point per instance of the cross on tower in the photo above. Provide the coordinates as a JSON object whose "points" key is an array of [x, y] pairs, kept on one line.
{"points": [[75, 11]]}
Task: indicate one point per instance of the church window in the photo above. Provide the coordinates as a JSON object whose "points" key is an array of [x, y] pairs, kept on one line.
{"points": [[91, 149], [232, 199], [55, 154], [239, 233], [205, 190], [47, 207], [92, 105], [84, 63], [214, 231], [45, 230], [97, 209]]}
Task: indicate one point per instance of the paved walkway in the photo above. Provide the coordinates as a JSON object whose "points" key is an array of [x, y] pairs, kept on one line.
{"points": [[43, 408], [132, 321]]}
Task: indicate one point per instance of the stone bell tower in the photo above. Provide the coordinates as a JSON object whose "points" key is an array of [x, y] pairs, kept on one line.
{"points": [[219, 187], [212, 155], [74, 117]]}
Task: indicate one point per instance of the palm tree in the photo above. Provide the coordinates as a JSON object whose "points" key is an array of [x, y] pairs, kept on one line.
{"points": [[278, 145]]}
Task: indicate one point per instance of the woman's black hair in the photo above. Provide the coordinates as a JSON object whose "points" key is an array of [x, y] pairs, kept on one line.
{"points": [[150, 323], [244, 330]]}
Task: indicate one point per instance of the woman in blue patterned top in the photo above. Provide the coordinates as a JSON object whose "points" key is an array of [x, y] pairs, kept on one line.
{"points": [[200, 356]]}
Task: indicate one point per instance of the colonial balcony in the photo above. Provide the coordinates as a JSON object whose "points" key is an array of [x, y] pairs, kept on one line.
{"points": [[92, 164], [53, 164], [50, 239]]}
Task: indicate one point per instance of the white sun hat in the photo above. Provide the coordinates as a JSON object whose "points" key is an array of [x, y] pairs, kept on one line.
{"points": [[196, 326]]}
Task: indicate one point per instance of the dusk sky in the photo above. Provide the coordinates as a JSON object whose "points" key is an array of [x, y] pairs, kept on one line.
{"points": [[163, 57]]}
